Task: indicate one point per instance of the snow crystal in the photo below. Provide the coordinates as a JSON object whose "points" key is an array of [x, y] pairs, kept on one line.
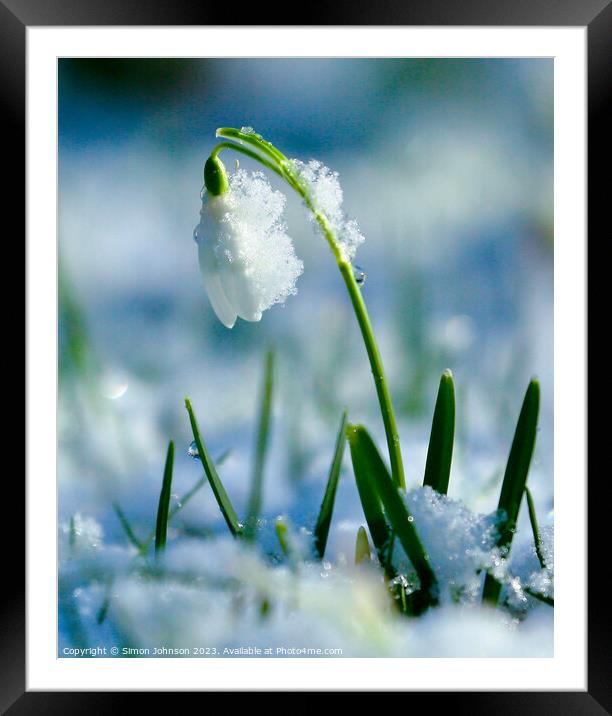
{"points": [[547, 535], [326, 193], [82, 534], [525, 567], [542, 581], [460, 543], [462, 547]]}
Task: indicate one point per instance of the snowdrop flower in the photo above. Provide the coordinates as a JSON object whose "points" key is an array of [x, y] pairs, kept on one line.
{"points": [[248, 261], [246, 257]]}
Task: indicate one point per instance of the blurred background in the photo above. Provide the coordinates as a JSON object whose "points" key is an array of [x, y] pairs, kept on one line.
{"points": [[446, 164]]}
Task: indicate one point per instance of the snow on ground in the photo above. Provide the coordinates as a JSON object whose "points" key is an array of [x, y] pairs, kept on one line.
{"points": [[222, 593]]}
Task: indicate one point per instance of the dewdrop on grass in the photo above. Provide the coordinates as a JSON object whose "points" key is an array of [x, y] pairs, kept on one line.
{"points": [[246, 257], [326, 193]]}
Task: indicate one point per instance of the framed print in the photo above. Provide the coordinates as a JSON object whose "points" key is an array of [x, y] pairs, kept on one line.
{"points": [[306, 353]]}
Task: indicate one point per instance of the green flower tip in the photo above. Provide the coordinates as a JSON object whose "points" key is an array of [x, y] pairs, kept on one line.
{"points": [[215, 176]]}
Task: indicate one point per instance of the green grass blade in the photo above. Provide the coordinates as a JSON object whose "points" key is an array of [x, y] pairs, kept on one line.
{"points": [[531, 592], [184, 499], [287, 544], [515, 478], [371, 504], [534, 527], [161, 526], [362, 547], [321, 531], [261, 448], [440, 450], [74, 342], [104, 607], [367, 462], [282, 534], [216, 485], [127, 528], [391, 547]]}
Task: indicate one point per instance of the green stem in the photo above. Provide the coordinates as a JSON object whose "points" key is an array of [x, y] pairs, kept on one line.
{"points": [[254, 139], [261, 448], [278, 162], [248, 153], [378, 373], [537, 539]]}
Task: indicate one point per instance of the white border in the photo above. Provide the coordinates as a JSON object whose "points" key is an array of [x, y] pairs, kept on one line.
{"points": [[567, 670]]}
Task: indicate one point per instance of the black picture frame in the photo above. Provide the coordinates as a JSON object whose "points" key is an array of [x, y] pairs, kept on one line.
{"points": [[596, 15]]}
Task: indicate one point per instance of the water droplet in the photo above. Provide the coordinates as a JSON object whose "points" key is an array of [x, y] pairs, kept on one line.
{"points": [[410, 518], [247, 130], [458, 333], [359, 275], [114, 385], [195, 234], [192, 450]]}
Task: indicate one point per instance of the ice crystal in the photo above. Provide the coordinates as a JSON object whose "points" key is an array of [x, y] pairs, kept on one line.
{"points": [[324, 188]]}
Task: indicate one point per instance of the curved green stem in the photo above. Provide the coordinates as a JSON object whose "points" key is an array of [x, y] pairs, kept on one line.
{"points": [[248, 153], [275, 160], [378, 373], [254, 139]]}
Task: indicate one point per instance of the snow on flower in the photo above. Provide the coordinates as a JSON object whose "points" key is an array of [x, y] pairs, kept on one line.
{"points": [[246, 257], [324, 187]]}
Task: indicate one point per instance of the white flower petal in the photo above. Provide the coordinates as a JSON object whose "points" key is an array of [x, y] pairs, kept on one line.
{"points": [[212, 282], [240, 290]]}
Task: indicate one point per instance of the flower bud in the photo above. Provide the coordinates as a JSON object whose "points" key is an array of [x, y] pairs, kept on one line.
{"points": [[215, 176]]}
